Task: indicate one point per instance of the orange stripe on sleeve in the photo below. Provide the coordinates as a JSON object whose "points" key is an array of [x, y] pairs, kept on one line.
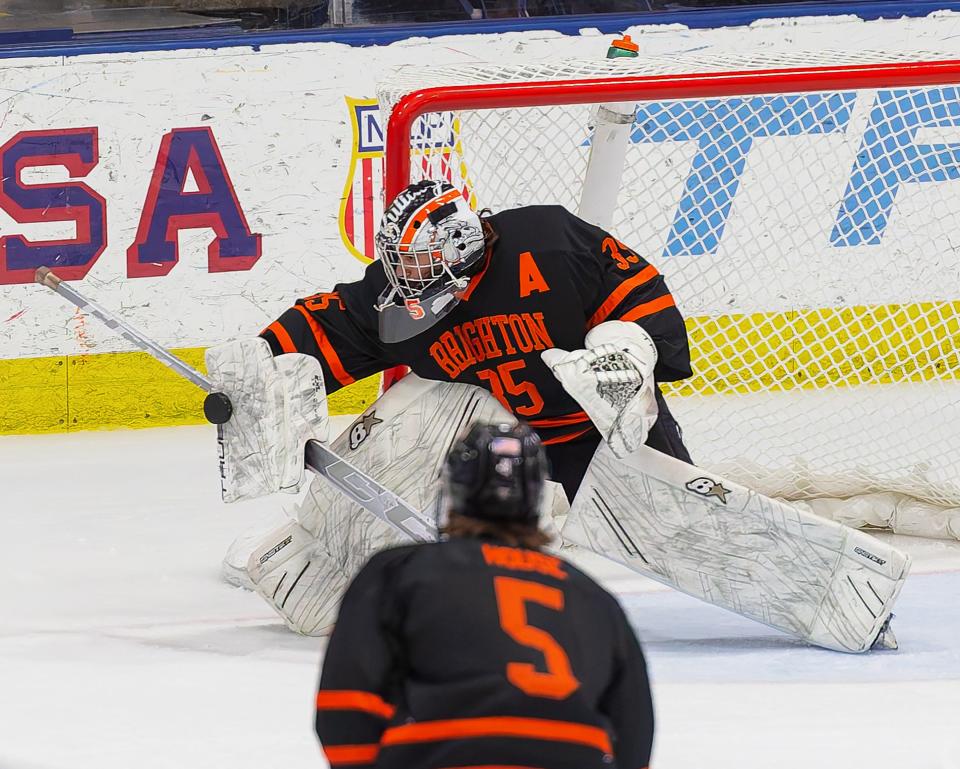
{"points": [[645, 275], [329, 354], [495, 726], [346, 699], [286, 343], [342, 755], [649, 308]]}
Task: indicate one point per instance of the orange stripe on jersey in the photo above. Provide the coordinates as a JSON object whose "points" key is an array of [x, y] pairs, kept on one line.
{"points": [[346, 699], [344, 755], [499, 726], [286, 343], [645, 275], [567, 438], [649, 308], [326, 349], [567, 419]]}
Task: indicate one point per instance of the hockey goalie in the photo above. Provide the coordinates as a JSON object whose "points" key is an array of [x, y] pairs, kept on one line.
{"points": [[528, 314]]}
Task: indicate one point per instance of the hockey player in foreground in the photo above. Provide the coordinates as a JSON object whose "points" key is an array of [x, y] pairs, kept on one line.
{"points": [[565, 327], [482, 650]]}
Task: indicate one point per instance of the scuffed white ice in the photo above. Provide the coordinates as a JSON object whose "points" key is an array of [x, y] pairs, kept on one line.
{"points": [[120, 647]]}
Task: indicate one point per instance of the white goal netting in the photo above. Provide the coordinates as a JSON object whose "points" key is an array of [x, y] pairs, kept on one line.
{"points": [[810, 230]]}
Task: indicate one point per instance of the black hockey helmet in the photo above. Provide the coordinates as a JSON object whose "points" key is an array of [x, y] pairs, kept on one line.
{"points": [[496, 472]]}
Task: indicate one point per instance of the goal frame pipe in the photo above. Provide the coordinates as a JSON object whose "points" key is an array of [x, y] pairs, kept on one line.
{"points": [[641, 88], [636, 88]]}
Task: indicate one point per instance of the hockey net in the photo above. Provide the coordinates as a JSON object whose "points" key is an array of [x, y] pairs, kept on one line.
{"points": [[805, 210]]}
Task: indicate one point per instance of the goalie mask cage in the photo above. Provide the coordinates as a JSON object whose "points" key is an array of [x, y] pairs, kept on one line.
{"points": [[804, 209]]}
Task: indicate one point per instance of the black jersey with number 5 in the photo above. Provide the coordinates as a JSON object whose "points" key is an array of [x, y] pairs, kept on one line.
{"points": [[548, 278], [470, 653]]}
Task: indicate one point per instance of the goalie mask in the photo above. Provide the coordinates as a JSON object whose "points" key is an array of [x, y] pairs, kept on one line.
{"points": [[496, 473], [430, 243]]}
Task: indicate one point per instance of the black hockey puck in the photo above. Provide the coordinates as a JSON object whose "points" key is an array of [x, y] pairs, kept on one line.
{"points": [[217, 408]]}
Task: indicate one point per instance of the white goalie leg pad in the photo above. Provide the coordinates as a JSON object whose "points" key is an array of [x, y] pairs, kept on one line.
{"points": [[279, 403], [301, 587], [612, 379], [554, 508], [233, 568], [899, 513], [762, 558], [401, 440]]}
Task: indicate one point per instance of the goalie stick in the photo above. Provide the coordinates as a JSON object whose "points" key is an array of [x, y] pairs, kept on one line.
{"points": [[318, 458]]}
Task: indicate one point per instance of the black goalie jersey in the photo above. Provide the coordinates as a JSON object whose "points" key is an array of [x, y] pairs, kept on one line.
{"points": [[548, 279], [469, 653]]}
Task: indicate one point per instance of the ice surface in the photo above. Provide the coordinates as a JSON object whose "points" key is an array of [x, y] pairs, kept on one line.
{"points": [[120, 648]]}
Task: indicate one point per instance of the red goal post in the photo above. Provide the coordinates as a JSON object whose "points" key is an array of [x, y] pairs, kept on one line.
{"points": [[612, 88]]}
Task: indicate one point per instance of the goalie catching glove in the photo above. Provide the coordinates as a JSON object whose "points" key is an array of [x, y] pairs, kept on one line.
{"points": [[612, 379], [279, 403]]}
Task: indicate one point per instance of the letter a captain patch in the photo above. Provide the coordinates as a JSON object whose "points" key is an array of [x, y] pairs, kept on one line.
{"points": [[530, 278], [435, 154]]}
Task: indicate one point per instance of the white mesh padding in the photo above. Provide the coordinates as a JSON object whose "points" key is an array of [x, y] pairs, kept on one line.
{"points": [[811, 239]]}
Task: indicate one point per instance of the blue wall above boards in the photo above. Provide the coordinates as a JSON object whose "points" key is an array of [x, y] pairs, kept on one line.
{"points": [[61, 42]]}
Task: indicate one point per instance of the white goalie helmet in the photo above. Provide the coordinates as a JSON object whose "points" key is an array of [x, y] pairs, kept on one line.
{"points": [[430, 243]]}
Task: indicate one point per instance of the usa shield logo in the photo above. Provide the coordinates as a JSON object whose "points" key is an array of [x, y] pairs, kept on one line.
{"points": [[436, 154]]}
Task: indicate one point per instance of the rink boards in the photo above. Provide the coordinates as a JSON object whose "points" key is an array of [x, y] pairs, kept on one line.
{"points": [[200, 191]]}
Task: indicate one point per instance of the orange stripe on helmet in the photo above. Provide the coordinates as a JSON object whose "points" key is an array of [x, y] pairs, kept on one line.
{"points": [[413, 224]]}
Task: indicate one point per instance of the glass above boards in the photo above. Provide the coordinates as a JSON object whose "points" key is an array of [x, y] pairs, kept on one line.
{"points": [[105, 17]]}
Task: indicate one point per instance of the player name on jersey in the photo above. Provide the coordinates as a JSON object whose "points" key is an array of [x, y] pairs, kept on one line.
{"points": [[519, 559]]}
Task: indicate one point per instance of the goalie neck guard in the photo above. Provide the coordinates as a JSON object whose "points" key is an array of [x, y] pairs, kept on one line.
{"points": [[496, 473], [429, 243]]}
